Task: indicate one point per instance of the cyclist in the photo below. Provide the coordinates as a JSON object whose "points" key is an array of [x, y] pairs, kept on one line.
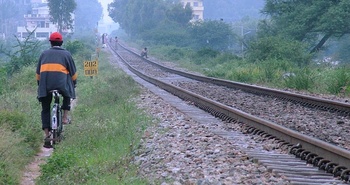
{"points": [[55, 71]]}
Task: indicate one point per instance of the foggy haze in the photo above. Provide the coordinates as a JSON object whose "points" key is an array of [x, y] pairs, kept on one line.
{"points": [[232, 10]]}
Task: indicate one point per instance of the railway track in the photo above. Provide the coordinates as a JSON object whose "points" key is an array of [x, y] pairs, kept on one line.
{"points": [[332, 158]]}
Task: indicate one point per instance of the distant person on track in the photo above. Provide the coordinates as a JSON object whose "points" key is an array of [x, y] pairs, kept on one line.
{"points": [[144, 53], [55, 71], [104, 40]]}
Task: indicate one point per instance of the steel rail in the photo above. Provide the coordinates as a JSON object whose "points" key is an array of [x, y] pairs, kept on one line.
{"points": [[323, 104], [328, 157]]}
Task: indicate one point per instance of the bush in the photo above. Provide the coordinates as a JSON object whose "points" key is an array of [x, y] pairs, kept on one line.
{"points": [[280, 49], [3, 78], [14, 120], [175, 54], [338, 81], [204, 55], [74, 46]]}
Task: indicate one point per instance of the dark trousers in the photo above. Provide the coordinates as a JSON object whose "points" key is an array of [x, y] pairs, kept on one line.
{"points": [[46, 109]]}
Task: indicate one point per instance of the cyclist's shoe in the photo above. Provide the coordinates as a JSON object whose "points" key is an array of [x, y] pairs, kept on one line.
{"points": [[47, 143], [68, 122]]}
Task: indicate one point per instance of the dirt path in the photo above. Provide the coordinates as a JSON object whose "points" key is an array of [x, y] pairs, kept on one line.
{"points": [[32, 170]]}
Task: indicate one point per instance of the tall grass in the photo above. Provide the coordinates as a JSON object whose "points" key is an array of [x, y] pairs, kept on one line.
{"points": [[106, 129], [302, 79], [20, 133]]}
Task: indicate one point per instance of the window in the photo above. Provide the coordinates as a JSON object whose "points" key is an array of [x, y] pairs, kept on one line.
{"points": [[195, 4], [25, 34], [41, 24], [42, 34]]}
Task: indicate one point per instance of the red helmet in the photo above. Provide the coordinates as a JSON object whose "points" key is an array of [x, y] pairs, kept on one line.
{"points": [[55, 36]]}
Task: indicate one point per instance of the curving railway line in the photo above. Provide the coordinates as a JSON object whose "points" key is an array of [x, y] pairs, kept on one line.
{"points": [[313, 129]]}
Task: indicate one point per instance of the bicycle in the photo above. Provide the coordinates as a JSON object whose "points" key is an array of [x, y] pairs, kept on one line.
{"points": [[56, 118]]}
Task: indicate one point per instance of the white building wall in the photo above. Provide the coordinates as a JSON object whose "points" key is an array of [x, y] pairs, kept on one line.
{"points": [[38, 20], [197, 7]]}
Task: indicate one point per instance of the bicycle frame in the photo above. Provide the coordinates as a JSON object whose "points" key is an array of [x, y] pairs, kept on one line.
{"points": [[56, 118]]}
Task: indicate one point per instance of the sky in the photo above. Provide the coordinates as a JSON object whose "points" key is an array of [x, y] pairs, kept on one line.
{"points": [[104, 4], [108, 24]]}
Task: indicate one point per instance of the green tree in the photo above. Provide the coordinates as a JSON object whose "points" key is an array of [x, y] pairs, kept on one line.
{"points": [[61, 12], [180, 15], [279, 49], [313, 21], [215, 35], [139, 16]]}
